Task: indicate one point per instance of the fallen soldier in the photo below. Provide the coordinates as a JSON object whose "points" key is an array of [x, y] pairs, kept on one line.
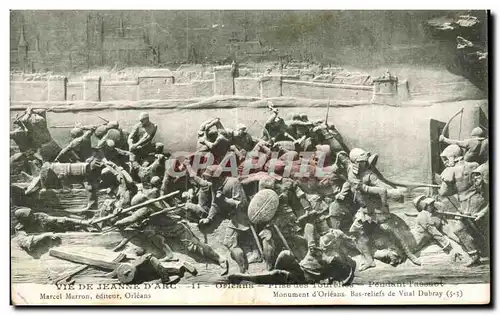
{"points": [[318, 265]]}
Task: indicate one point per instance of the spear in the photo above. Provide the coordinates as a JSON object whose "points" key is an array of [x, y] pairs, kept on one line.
{"points": [[103, 119], [327, 112], [132, 208]]}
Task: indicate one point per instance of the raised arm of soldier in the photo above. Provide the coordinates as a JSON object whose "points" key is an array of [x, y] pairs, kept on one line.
{"points": [[293, 123], [218, 140], [79, 137]]}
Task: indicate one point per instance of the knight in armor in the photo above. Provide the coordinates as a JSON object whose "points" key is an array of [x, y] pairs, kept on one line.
{"points": [[299, 128], [476, 148], [39, 222], [226, 198], [275, 128], [27, 158], [167, 229], [36, 123], [292, 205], [141, 137], [22, 137], [146, 171], [116, 155], [80, 145], [456, 179], [370, 195], [112, 131], [319, 264], [216, 143], [342, 208], [429, 226], [480, 178], [120, 193]]}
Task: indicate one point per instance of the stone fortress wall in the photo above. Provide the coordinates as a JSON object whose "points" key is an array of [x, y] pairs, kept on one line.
{"points": [[160, 84]]}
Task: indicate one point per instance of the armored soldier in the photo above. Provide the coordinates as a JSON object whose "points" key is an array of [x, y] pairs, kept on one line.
{"points": [[216, 143], [21, 137], [168, 226], [477, 149], [457, 180], [112, 131], [205, 128], [80, 146], [293, 204], [481, 199], [26, 159], [342, 208], [120, 195], [429, 224], [228, 199], [36, 124], [146, 171], [170, 182], [370, 195], [116, 155], [141, 137], [38, 222], [275, 128], [318, 264]]}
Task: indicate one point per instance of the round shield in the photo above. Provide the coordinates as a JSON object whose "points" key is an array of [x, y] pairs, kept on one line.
{"points": [[263, 206]]}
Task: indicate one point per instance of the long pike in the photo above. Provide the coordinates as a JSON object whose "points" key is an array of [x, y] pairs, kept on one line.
{"points": [[103, 119], [132, 208], [327, 112]]}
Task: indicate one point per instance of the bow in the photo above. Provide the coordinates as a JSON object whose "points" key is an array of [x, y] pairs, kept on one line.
{"points": [[447, 126]]}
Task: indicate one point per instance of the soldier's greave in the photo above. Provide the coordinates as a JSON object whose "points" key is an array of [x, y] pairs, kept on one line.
{"points": [[92, 202], [309, 235], [386, 227], [241, 259], [269, 252], [466, 239], [364, 247], [206, 251]]}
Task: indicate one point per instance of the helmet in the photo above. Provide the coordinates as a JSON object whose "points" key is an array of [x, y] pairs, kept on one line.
{"points": [[100, 131], [241, 127], [304, 117], [159, 146], [341, 157], [113, 124], [212, 171], [477, 132], [484, 171], [451, 154], [295, 116], [358, 155], [76, 132], [110, 143], [143, 116], [212, 134], [155, 181], [22, 213], [421, 202], [267, 183]]}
